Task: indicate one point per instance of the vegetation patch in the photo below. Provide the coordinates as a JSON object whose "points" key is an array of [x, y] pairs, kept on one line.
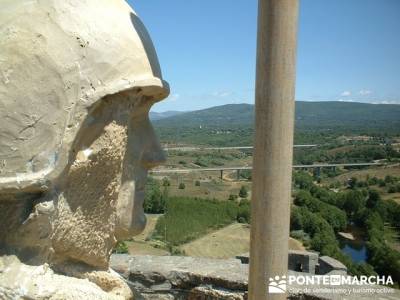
{"points": [[319, 214], [189, 218]]}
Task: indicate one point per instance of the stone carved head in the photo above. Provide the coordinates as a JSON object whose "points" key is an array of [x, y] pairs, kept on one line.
{"points": [[77, 80]]}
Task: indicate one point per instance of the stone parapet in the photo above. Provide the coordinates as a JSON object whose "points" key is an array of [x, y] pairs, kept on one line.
{"points": [[180, 277]]}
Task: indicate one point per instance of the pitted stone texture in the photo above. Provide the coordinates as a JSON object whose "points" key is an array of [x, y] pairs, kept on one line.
{"points": [[85, 215], [20, 281]]}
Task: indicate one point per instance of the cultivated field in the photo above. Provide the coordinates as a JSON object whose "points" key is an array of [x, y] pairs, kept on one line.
{"points": [[211, 186]]}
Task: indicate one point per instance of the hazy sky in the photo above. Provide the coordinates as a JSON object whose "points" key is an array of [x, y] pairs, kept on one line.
{"points": [[348, 50]]}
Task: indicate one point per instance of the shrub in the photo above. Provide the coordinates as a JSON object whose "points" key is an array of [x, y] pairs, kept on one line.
{"points": [[197, 183], [166, 182], [389, 179], [394, 188], [246, 174], [373, 181], [241, 220], [373, 198], [298, 234], [181, 186], [243, 192], [217, 162], [233, 197], [120, 248], [201, 162], [244, 214]]}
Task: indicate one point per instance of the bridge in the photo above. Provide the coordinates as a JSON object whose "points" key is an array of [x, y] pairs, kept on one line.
{"points": [[227, 148], [317, 167]]}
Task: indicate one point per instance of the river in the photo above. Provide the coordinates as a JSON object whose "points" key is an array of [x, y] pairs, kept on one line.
{"points": [[356, 248]]}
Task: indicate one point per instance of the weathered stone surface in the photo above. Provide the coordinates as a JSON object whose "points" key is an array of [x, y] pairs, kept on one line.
{"points": [[183, 277], [328, 264], [21, 281], [57, 59], [77, 80], [201, 278], [307, 262]]}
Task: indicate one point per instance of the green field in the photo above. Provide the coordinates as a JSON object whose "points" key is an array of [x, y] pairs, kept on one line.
{"points": [[188, 218]]}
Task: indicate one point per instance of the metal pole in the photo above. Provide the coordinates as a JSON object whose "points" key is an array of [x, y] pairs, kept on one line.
{"points": [[272, 160]]}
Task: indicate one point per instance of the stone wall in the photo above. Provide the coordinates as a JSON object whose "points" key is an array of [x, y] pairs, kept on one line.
{"points": [[180, 277], [308, 262]]}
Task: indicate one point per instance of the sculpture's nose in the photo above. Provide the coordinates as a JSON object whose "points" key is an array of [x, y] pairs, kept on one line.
{"points": [[153, 155]]}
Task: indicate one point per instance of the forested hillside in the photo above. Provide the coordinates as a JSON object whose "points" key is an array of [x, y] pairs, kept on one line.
{"points": [[232, 124]]}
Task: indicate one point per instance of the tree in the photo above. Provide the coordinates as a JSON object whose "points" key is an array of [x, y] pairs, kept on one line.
{"points": [[373, 198], [154, 201], [303, 180], [181, 186], [352, 182], [166, 182], [243, 192], [354, 202], [296, 221], [303, 198], [333, 215]]}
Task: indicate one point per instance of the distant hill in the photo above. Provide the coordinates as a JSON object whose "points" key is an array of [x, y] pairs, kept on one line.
{"points": [[315, 122], [322, 115], [170, 113], [239, 114]]}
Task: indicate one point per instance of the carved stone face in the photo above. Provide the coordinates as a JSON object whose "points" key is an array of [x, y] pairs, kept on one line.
{"points": [[77, 80], [102, 191]]}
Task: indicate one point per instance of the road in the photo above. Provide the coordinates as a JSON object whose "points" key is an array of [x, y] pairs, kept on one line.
{"points": [[165, 171]]}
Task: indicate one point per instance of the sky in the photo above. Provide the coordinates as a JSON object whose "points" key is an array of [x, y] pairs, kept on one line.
{"points": [[348, 50]]}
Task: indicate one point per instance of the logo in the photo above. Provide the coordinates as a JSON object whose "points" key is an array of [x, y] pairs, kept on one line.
{"points": [[333, 283], [277, 285]]}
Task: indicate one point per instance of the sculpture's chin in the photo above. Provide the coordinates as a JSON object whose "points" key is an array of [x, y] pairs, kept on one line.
{"points": [[138, 225], [135, 228]]}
